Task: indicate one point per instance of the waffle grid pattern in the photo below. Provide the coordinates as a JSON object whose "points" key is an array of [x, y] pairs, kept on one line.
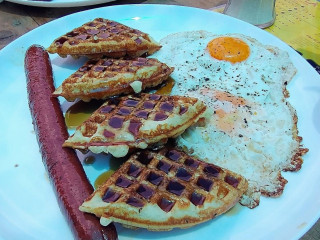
{"points": [[109, 68], [101, 29], [165, 179], [136, 109]]}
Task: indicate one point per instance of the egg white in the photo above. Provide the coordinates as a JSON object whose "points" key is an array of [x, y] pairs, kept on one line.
{"points": [[256, 139]]}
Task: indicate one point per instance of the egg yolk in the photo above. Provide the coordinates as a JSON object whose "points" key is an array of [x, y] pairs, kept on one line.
{"points": [[229, 49]]}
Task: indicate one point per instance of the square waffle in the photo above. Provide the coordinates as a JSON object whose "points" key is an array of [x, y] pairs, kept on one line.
{"points": [[165, 190], [102, 37], [135, 121], [103, 78]]}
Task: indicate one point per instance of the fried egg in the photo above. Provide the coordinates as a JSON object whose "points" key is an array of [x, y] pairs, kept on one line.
{"points": [[250, 127]]}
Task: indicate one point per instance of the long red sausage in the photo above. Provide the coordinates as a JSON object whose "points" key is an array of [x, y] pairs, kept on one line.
{"points": [[64, 168]]}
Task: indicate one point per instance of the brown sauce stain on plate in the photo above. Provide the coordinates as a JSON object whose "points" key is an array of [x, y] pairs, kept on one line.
{"points": [[302, 225], [89, 160]]}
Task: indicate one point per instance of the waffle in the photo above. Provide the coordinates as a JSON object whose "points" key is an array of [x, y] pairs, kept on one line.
{"points": [[135, 121], [165, 190], [102, 37], [103, 78]]}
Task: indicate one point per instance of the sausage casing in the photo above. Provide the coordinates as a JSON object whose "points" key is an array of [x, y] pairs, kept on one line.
{"points": [[63, 166]]}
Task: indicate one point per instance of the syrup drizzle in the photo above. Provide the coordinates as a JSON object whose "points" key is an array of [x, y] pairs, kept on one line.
{"points": [[79, 112], [167, 88], [115, 164]]}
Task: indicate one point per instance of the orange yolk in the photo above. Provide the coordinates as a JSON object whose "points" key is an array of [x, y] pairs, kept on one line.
{"points": [[229, 49]]}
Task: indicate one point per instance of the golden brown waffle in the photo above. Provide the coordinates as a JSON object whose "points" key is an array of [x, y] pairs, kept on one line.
{"points": [[103, 78], [165, 190], [135, 122], [102, 37]]}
